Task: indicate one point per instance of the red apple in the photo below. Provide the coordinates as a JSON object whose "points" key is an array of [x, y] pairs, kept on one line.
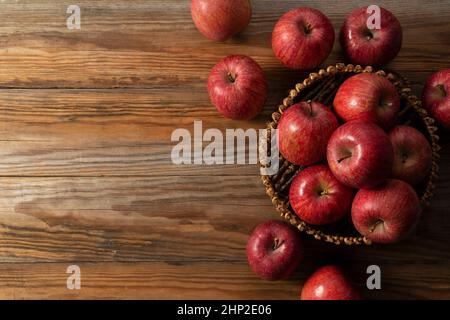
{"points": [[317, 197], [304, 130], [369, 97], [412, 155], [373, 46], [360, 154], [274, 250], [221, 19], [329, 283], [436, 97], [303, 38], [386, 213], [237, 87]]}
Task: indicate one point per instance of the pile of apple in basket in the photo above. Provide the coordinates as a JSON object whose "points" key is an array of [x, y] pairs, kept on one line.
{"points": [[358, 161]]}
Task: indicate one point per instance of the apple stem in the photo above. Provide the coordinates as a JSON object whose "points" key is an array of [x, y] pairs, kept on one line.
{"points": [[310, 107], [368, 34], [231, 77], [307, 28], [404, 157], [276, 243], [442, 89], [343, 158], [375, 225]]}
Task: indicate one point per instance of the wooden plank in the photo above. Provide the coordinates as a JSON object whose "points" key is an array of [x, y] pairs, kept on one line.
{"points": [[128, 219], [211, 280], [141, 281], [155, 44], [163, 219], [104, 133]]}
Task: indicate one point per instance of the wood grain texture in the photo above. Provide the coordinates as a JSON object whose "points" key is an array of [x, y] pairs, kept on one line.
{"points": [[155, 218], [105, 132], [155, 44], [204, 280], [85, 173]]}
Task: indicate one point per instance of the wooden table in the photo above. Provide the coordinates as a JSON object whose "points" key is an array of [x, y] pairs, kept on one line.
{"points": [[86, 178]]}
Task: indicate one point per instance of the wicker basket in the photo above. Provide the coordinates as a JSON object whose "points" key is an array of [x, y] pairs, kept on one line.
{"points": [[322, 86]]}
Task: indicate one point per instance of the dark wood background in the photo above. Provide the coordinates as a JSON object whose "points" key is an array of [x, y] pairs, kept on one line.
{"points": [[85, 173]]}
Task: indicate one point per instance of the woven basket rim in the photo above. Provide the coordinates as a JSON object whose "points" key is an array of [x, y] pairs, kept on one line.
{"points": [[403, 87]]}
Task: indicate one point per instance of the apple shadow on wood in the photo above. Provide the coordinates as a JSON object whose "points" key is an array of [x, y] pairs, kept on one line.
{"points": [[248, 39], [394, 261], [280, 80]]}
